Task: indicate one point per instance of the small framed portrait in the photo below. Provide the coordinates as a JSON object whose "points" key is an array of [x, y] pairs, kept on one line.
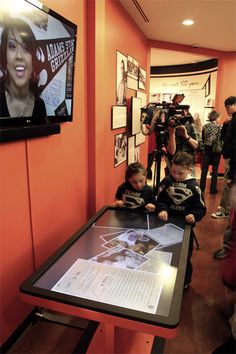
{"points": [[120, 148], [121, 78], [141, 79], [118, 117]]}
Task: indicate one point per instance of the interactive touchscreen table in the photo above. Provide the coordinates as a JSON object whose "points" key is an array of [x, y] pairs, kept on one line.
{"points": [[124, 270]]}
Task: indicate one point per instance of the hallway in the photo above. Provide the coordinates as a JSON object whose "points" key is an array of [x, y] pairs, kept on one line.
{"points": [[205, 308]]}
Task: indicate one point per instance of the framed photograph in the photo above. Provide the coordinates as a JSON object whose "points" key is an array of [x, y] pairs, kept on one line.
{"points": [[208, 86], [120, 148], [142, 79], [121, 78], [132, 73], [118, 117], [143, 97], [137, 154], [131, 149], [135, 114], [139, 139]]}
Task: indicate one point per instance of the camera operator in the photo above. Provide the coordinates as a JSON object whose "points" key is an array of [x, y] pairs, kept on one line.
{"points": [[179, 138], [182, 138]]}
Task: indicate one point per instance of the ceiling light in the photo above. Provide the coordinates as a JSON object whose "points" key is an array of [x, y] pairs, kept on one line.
{"points": [[188, 22]]}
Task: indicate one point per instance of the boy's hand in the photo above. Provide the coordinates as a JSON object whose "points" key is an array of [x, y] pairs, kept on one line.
{"points": [[119, 203], [150, 207], [190, 218], [163, 215]]}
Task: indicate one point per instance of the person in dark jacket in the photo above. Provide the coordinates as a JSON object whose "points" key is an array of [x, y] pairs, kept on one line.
{"points": [[229, 152]]}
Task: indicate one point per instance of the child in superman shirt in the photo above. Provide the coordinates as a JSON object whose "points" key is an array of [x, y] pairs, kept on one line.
{"points": [[134, 193], [180, 196]]}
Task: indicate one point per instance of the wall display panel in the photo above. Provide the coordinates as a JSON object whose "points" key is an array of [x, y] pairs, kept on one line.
{"points": [[135, 114], [143, 97], [37, 88], [119, 117], [139, 139], [120, 152], [132, 73], [142, 79], [121, 78], [131, 149]]}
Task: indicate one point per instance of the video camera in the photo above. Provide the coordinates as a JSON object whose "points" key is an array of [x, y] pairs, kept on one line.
{"points": [[167, 114]]}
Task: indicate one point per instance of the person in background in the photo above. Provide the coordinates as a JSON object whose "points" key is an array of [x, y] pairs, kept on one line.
{"points": [[134, 193], [179, 195], [224, 209], [210, 133], [229, 152], [175, 139], [19, 90], [229, 269]]}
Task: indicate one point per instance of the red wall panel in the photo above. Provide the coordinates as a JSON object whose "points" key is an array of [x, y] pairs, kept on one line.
{"points": [[43, 189]]}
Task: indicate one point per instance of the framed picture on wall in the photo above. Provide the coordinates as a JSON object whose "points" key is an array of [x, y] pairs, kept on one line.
{"points": [[143, 97], [118, 117], [121, 78], [120, 148], [139, 139], [132, 73], [208, 86], [131, 149], [141, 79], [135, 114]]}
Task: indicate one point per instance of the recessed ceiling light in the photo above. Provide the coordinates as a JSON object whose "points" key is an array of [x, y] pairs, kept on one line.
{"points": [[188, 22]]}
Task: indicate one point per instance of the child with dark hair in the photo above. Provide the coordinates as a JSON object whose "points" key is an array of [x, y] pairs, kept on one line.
{"points": [[180, 196], [134, 193]]}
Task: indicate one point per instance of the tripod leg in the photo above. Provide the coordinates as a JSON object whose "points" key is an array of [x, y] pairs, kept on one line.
{"points": [[196, 241]]}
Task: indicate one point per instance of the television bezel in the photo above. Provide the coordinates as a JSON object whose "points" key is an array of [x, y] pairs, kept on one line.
{"points": [[17, 128]]}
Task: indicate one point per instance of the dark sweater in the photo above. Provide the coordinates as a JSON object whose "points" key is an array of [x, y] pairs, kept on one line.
{"points": [[134, 199], [181, 198]]}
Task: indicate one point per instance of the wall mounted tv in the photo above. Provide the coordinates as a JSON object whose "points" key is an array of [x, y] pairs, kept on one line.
{"points": [[37, 56]]}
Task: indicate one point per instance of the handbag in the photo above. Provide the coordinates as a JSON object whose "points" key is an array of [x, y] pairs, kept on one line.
{"points": [[217, 144]]}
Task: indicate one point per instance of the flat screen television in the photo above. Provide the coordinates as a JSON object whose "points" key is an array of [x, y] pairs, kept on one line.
{"points": [[37, 61]]}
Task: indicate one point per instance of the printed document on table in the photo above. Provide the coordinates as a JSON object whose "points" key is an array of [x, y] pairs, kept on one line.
{"points": [[123, 287], [167, 234]]}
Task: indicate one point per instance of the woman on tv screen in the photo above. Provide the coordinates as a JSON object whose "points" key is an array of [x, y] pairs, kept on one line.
{"points": [[19, 82]]}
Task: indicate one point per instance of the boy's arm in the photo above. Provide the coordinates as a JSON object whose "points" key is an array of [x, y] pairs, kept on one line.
{"points": [[199, 207]]}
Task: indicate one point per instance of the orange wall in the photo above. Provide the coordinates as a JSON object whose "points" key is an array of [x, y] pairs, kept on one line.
{"points": [[43, 189], [226, 83], [51, 185], [114, 31]]}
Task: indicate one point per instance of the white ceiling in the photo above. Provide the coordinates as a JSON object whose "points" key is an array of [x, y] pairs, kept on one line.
{"points": [[214, 27]]}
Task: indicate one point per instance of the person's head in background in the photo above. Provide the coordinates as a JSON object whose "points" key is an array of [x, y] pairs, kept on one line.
{"points": [[136, 175], [181, 166], [230, 104], [18, 57], [214, 117]]}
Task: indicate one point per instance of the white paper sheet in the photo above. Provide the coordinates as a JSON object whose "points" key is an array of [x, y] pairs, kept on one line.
{"points": [[135, 290]]}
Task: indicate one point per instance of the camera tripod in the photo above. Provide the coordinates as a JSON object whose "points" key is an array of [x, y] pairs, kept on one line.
{"points": [[157, 159]]}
